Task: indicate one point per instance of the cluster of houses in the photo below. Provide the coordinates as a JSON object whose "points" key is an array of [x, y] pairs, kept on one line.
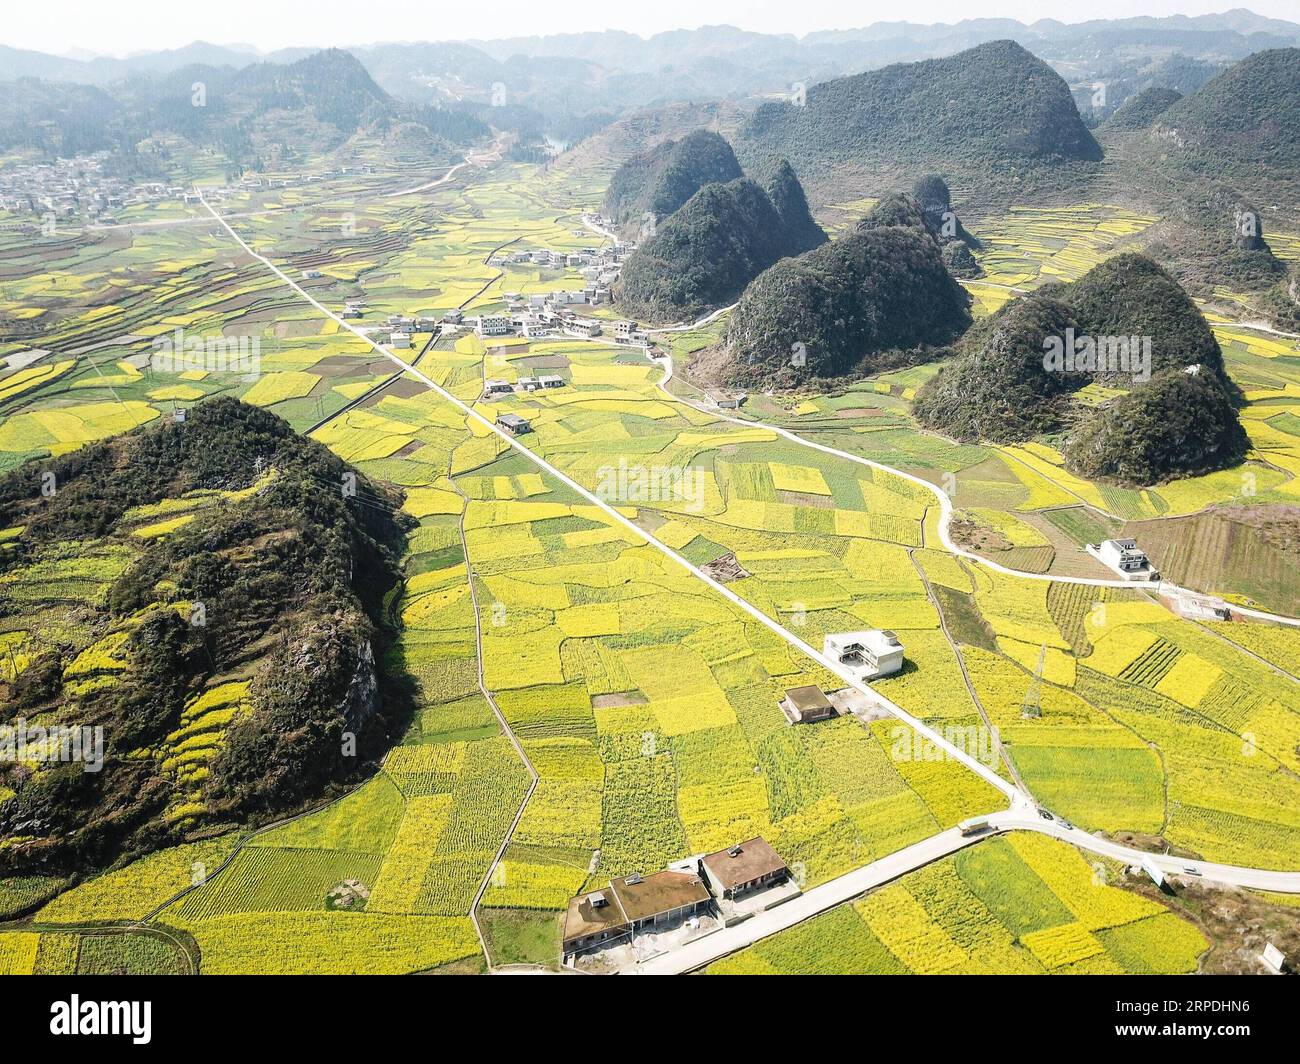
{"points": [[711, 884], [545, 318], [74, 187], [546, 321], [396, 329], [80, 187], [542, 382], [599, 266]]}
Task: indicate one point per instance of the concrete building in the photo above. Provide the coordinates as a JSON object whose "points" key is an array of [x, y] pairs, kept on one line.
{"points": [[585, 327], [750, 866], [866, 655], [593, 920], [660, 898], [1125, 558], [513, 424], [731, 402], [496, 387], [399, 339], [495, 325], [631, 905], [806, 705]]}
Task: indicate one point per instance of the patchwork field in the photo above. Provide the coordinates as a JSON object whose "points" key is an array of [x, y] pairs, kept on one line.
{"points": [[586, 707], [1022, 905]]}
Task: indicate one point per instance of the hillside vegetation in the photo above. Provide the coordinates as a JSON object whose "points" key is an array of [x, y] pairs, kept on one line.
{"points": [[865, 301], [993, 116], [704, 254], [654, 183], [1240, 128], [1176, 417], [1218, 163], [209, 593]]}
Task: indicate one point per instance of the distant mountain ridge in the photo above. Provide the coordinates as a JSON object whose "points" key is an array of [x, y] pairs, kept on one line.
{"points": [[993, 115], [265, 109]]}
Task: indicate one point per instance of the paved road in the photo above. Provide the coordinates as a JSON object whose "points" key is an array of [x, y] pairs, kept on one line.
{"points": [[706, 950], [471, 159], [1019, 819], [832, 665], [946, 510]]}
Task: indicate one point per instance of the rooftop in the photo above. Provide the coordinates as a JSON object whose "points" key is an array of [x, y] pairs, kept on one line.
{"points": [[661, 892], [743, 863], [807, 700], [586, 916], [876, 640]]}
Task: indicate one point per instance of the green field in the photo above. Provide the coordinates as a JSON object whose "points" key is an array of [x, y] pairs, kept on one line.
{"points": [[627, 713]]}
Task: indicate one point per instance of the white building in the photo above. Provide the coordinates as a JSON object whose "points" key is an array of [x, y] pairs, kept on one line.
{"points": [[1124, 556], [585, 327], [399, 339], [494, 325], [866, 655]]}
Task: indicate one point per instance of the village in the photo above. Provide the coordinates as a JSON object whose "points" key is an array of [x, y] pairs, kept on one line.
{"points": [[85, 188]]}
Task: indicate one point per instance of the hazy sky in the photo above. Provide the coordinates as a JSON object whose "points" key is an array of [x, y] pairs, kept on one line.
{"points": [[141, 25]]}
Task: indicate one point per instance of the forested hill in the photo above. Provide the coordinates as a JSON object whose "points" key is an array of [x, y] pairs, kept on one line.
{"points": [[211, 594], [1242, 128], [993, 116], [1175, 416], [1140, 111], [705, 253], [1221, 167], [876, 297], [654, 183]]}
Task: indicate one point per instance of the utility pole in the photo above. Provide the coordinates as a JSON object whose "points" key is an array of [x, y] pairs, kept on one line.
{"points": [[1033, 705]]}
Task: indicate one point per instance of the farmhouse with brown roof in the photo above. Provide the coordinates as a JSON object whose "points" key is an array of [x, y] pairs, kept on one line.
{"points": [[631, 904], [744, 868], [594, 919], [805, 705]]}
